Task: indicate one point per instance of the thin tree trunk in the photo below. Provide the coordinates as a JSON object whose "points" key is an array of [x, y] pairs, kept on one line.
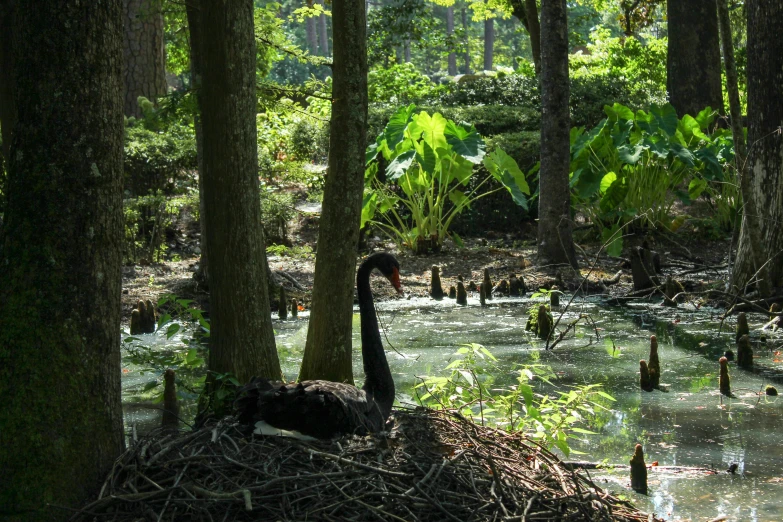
{"points": [[323, 34], [732, 84], [241, 338], [466, 26], [761, 238], [61, 259], [193, 11], [407, 49], [693, 64], [145, 58], [534, 29], [328, 349], [489, 42], [452, 59], [7, 104], [555, 243], [312, 35]]}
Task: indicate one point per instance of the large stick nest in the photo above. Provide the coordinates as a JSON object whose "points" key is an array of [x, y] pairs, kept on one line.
{"points": [[432, 466]]}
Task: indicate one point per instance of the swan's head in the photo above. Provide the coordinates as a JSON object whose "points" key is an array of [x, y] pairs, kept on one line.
{"points": [[388, 265]]}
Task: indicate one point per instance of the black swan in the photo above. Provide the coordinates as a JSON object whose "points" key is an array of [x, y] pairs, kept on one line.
{"points": [[325, 409]]}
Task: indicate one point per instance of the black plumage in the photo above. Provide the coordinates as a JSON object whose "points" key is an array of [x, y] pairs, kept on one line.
{"points": [[325, 409]]}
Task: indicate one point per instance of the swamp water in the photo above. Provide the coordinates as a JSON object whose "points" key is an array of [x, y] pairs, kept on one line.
{"points": [[689, 426]]}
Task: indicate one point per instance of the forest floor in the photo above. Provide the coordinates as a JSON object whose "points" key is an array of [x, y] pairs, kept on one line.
{"points": [[700, 264]]}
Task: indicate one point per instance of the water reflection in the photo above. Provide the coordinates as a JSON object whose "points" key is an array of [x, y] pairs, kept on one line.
{"points": [[692, 425]]}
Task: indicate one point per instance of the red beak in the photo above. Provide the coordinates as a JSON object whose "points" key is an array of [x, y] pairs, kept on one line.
{"points": [[395, 280]]}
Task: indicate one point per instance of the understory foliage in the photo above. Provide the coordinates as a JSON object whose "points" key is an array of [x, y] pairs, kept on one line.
{"points": [[427, 180], [636, 165], [472, 390]]}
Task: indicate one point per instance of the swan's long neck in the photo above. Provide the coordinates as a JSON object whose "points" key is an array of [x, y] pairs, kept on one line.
{"points": [[378, 378]]}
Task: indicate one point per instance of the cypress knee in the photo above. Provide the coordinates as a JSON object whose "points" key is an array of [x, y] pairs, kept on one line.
{"points": [[462, 295], [482, 294], [452, 292], [554, 297], [744, 352], [724, 382], [644, 377], [294, 308], [170, 406], [544, 323], [654, 366], [135, 322], [487, 283], [436, 288], [514, 285], [638, 470]]}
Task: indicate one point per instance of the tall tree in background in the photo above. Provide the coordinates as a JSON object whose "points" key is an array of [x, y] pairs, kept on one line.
{"points": [[310, 31], [466, 29], [452, 58], [328, 349], [193, 12], [241, 338], [323, 33], [489, 43], [61, 258], [144, 65], [555, 242], [693, 65], [760, 251], [526, 11]]}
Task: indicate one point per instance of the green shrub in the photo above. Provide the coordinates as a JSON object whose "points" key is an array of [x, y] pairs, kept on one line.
{"points": [[400, 83], [158, 161], [310, 140], [277, 209]]}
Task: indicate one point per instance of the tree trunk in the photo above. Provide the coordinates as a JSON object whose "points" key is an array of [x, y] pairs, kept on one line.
{"points": [[193, 11], [312, 35], [526, 11], [61, 258], [7, 104], [762, 184], [450, 32], [489, 42], [693, 65], [328, 349], [323, 34], [534, 29], [241, 338], [732, 84], [407, 50], [555, 244], [466, 27], [145, 58]]}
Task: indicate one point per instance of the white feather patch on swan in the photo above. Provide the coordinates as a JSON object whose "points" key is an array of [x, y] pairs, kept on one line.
{"points": [[264, 428]]}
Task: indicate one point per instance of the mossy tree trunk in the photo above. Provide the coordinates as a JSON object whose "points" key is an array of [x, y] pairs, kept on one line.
{"points": [[693, 64], [328, 349], [144, 66], [60, 259], [193, 11], [555, 242], [241, 337], [761, 237]]}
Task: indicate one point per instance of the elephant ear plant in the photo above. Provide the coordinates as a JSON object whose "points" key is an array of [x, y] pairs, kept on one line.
{"points": [[430, 177]]}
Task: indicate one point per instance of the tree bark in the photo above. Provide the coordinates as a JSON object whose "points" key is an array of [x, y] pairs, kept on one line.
{"points": [[407, 51], [466, 27], [193, 11], [7, 104], [693, 64], [328, 348], [489, 42], [555, 243], [732, 84], [452, 59], [145, 58], [241, 338], [61, 258], [312, 35], [761, 242], [323, 34]]}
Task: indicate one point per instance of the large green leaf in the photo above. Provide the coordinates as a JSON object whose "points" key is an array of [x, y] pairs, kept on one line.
{"points": [[691, 129], [621, 131], [696, 187], [458, 198], [427, 159], [400, 165], [713, 170], [618, 112], [614, 195], [465, 141], [454, 167], [607, 180], [429, 128], [415, 181], [586, 141], [630, 154], [394, 132], [505, 169], [666, 117], [369, 204], [705, 118], [682, 153]]}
